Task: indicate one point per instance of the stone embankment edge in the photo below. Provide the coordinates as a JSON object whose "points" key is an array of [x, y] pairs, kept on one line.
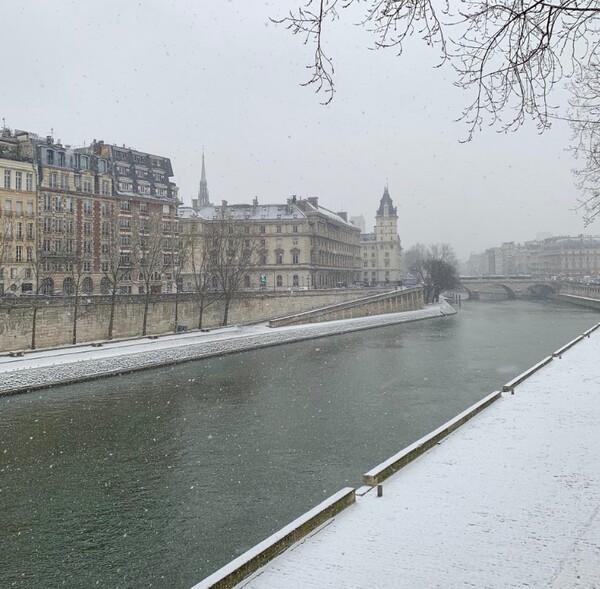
{"points": [[374, 477], [410, 453], [16, 382], [588, 302], [249, 562]]}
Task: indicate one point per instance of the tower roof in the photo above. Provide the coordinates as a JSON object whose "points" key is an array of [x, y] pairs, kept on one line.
{"points": [[203, 188], [386, 199]]}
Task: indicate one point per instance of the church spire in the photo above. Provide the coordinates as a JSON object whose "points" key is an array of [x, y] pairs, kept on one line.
{"points": [[203, 189]]}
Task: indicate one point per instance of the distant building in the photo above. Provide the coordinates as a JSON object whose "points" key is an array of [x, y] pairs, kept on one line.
{"points": [[567, 257], [301, 244], [202, 200], [359, 221], [381, 250]]}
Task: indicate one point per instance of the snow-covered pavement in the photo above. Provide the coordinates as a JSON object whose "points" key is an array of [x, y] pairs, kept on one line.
{"points": [[510, 499], [72, 364]]}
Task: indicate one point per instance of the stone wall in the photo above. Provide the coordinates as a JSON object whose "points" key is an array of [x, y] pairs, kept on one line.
{"points": [[55, 315], [591, 303], [378, 304], [590, 291]]}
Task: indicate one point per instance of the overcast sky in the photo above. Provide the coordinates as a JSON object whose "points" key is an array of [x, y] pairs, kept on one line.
{"points": [[174, 77]]}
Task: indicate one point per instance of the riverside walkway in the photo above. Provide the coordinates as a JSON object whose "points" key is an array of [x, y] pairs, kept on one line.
{"points": [[509, 499]]}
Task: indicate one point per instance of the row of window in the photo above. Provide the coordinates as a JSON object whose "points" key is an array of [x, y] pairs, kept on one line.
{"points": [[8, 208], [18, 180], [77, 161], [18, 232], [373, 263], [86, 185], [278, 229], [22, 254], [138, 158]]}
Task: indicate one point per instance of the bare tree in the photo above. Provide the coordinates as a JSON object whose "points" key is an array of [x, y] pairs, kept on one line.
{"points": [[178, 256], [412, 255], [197, 265], [148, 257], [116, 263], [436, 268], [76, 267], [5, 247], [509, 53], [44, 267], [5, 240], [585, 122], [232, 247]]}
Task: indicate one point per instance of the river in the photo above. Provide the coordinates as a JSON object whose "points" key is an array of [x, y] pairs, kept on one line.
{"points": [[158, 478]]}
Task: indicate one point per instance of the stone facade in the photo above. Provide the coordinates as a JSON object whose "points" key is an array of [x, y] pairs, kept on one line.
{"points": [[381, 250], [80, 213], [18, 193], [563, 257], [298, 244]]}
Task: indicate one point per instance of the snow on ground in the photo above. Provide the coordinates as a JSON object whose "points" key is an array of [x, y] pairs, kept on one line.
{"points": [[50, 367], [511, 499]]}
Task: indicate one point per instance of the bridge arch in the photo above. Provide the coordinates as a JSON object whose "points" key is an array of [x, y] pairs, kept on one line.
{"points": [[540, 289], [509, 291]]}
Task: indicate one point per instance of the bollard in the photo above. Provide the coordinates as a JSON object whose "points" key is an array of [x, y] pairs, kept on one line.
{"points": [[379, 490]]}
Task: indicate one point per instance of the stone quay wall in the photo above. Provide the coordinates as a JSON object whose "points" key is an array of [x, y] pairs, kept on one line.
{"points": [[55, 314], [377, 304], [589, 291]]}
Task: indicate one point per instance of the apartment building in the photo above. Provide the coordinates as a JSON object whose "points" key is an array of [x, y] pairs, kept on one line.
{"points": [[18, 185]]}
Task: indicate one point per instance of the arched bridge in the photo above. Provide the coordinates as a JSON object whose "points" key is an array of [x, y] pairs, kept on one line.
{"points": [[512, 287]]}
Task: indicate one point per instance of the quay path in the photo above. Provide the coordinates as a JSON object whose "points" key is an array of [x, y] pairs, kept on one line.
{"points": [[509, 499], [44, 368]]}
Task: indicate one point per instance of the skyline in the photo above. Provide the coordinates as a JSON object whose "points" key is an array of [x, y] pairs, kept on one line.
{"points": [[225, 79]]}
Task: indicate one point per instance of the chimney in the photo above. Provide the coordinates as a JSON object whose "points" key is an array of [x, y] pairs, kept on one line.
{"points": [[314, 201], [255, 201], [223, 205], [288, 208], [344, 216]]}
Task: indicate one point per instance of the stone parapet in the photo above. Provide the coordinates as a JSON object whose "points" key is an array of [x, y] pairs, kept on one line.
{"points": [[55, 314]]}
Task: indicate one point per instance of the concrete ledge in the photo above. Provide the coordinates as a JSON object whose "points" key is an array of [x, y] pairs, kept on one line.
{"points": [[509, 387], [249, 562], [410, 453], [561, 351]]}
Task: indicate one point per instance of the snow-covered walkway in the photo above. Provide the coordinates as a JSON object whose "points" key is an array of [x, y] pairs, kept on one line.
{"points": [[511, 499], [71, 364]]}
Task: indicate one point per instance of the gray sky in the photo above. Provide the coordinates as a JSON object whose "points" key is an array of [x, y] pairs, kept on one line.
{"points": [[170, 77]]}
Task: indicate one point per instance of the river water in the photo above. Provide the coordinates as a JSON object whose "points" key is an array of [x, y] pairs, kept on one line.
{"points": [[158, 478]]}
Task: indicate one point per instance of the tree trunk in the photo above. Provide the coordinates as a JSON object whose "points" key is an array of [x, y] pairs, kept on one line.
{"points": [[226, 311], [176, 307], [146, 303], [201, 313], [75, 320], [111, 321], [33, 327]]}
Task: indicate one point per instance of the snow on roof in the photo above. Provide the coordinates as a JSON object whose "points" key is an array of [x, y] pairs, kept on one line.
{"points": [[266, 212]]}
